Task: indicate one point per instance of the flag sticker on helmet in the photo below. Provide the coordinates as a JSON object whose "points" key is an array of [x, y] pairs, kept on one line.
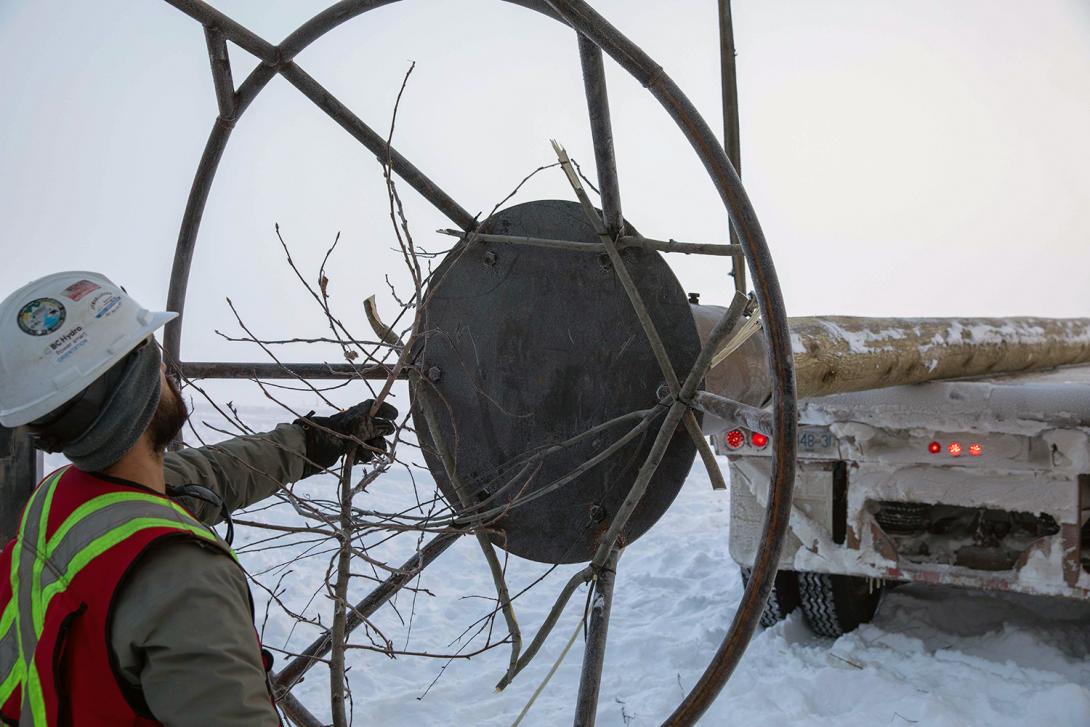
{"points": [[41, 317], [77, 290]]}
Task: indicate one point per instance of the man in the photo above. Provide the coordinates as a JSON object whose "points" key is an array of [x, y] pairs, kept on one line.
{"points": [[120, 605]]}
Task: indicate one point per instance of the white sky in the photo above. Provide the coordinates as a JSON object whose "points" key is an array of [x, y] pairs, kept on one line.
{"points": [[908, 159]]}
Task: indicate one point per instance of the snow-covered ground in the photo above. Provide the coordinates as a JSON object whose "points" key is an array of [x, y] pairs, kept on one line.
{"points": [[933, 656]]}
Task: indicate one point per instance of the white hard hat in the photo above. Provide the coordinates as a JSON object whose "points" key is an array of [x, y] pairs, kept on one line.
{"points": [[60, 333]]}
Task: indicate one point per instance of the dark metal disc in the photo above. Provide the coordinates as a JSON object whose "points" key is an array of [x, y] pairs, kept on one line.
{"points": [[531, 346]]}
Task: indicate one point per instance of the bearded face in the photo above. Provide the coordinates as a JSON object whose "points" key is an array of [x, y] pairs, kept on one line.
{"points": [[170, 416]]}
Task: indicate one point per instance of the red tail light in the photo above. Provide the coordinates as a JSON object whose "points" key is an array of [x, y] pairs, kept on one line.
{"points": [[758, 440], [954, 449], [735, 438], [934, 448]]}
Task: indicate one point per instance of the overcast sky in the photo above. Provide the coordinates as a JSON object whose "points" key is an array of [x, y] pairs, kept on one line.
{"points": [[923, 158]]}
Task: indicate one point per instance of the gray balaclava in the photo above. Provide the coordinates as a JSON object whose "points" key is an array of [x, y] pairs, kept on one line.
{"points": [[123, 417]]}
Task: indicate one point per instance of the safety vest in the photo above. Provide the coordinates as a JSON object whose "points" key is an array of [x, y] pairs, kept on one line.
{"points": [[78, 538]]}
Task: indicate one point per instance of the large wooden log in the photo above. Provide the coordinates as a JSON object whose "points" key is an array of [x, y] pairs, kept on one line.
{"points": [[836, 354]]}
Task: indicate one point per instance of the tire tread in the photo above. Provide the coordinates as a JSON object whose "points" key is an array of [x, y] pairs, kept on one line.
{"points": [[831, 604], [782, 600]]}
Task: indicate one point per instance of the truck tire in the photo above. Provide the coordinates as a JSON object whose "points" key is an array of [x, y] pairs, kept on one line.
{"points": [[833, 605], [903, 518], [783, 599]]}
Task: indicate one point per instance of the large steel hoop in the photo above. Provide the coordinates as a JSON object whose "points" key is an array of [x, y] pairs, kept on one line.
{"points": [[592, 26]]}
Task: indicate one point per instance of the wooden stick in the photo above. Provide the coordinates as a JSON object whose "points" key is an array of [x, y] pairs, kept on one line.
{"points": [[550, 621], [697, 248], [503, 595], [594, 654], [339, 631]]}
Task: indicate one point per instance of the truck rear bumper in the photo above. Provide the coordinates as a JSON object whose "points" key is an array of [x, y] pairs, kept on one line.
{"points": [[1027, 536]]}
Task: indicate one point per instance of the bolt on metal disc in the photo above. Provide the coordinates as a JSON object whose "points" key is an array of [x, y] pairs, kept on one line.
{"points": [[536, 346]]}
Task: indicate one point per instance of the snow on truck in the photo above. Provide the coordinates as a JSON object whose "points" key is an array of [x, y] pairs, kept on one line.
{"points": [[981, 481]]}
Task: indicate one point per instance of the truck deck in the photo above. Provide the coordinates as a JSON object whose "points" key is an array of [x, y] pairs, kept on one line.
{"points": [[982, 483]]}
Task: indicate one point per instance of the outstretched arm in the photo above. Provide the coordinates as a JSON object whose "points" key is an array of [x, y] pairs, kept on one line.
{"points": [[247, 469], [242, 471]]}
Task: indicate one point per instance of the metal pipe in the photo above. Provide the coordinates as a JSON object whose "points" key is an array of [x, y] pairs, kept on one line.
{"points": [[240, 370], [729, 79], [195, 204], [221, 71], [594, 654], [376, 144], [325, 21], [187, 234], [297, 667], [601, 131], [208, 16], [731, 133], [296, 712]]}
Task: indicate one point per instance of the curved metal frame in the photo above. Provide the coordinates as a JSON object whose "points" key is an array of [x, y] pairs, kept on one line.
{"points": [[596, 35]]}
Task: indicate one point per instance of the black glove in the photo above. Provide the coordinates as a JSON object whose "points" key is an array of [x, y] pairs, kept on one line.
{"points": [[324, 447]]}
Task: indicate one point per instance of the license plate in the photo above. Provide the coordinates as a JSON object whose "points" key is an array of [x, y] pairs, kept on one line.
{"points": [[817, 440]]}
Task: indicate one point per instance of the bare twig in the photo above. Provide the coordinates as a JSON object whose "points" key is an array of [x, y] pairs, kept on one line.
{"points": [[340, 601]]}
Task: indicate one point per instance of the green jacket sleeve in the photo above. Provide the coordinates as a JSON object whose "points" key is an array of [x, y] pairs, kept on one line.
{"points": [[183, 639], [242, 471]]}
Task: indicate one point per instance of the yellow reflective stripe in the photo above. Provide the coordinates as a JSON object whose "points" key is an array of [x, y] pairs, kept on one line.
{"points": [[8, 617], [14, 677], [79, 514], [6, 622], [13, 680], [45, 486], [35, 697], [96, 504], [17, 551], [40, 560], [104, 542], [18, 674]]}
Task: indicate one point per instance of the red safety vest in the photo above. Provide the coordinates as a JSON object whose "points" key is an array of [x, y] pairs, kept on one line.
{"points": [[77, 540]]}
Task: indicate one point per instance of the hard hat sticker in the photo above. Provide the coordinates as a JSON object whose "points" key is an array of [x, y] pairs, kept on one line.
{"points": [[41, 317], [68, 343], [105, 304], [77, 290]]}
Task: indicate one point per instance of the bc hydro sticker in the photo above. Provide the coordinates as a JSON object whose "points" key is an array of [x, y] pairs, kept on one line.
{"points": [[68, 343], [41, 317]]}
